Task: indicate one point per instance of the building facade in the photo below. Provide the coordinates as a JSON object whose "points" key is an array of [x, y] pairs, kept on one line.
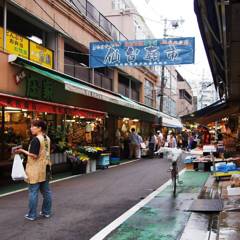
{"points": [[125, 16], [186, 102], [44, 56], [207, 94]]}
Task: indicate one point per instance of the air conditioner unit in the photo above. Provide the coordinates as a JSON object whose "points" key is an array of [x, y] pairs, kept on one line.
{"points": [[127, 11]]}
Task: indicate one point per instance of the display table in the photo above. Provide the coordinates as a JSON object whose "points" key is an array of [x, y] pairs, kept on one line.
{"points": [[225, 174]]}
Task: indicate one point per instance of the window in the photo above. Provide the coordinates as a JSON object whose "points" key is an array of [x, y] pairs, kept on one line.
{"points": [[149, 95], [103, 79], [183, 94], [69, 66], [119, 4], [123, 86], [76, 63], [135, 87]]}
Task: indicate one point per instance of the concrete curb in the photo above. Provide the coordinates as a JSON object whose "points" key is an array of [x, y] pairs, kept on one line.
{"points": [[66, 178]]}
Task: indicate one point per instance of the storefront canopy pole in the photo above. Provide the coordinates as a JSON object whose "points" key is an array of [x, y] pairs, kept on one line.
{"points": [[4, 25], [2, 131]]}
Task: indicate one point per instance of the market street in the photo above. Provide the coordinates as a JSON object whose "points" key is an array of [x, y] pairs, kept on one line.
{"points": [[84, 205]]}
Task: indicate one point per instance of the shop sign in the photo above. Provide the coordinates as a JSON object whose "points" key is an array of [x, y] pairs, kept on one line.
{"points": [[15, 43], [41, 55], [42, 89], [147, 52], [38, 106]]}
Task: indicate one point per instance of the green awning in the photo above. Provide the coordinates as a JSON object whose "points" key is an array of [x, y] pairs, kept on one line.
{"points": [[113, 103], [74, 85]]}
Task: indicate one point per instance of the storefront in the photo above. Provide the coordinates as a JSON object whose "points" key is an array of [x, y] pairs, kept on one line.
{"points": [[216, 129], [68, 126], [78, 113]]}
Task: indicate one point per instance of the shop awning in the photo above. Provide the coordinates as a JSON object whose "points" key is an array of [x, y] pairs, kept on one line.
{"points": [[117, 99], [211, 113], [86, 89], [171, 122], [42, 106], [219, 26]]}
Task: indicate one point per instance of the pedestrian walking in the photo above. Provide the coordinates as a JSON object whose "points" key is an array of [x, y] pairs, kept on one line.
{"points": [[172, 143], [152, 143], [185, 139], [38, 170], [135, 142], [179, 139], [159, 140]]}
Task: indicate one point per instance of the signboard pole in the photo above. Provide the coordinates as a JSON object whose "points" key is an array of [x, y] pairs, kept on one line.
{"points": [[93, 75], [5, 25]]}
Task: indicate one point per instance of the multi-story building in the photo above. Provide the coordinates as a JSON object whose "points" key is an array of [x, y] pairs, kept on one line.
{"points": [[185, 102], [44, 56], [170, 95], [207, 94], [195, 103], [125, 16]]}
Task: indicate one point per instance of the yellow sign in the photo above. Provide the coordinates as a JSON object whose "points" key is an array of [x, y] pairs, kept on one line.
{"points": [[41, 55], [1, 38], [15, 44]]}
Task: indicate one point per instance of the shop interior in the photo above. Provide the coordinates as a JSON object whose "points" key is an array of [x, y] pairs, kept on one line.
{"points": [[65, 131]]}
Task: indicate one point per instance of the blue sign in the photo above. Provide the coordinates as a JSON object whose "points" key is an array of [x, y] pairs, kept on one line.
{"points": [[168, 51]]}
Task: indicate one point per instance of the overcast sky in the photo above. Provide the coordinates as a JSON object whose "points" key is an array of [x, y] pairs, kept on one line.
{"points": [[154, 11]]}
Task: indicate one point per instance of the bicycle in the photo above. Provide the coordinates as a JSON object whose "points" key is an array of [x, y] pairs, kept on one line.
{"points": [[174, 176], [174, 171]]}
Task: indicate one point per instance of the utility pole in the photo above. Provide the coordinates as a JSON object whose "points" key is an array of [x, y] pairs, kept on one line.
{"points": [[163, 71]]}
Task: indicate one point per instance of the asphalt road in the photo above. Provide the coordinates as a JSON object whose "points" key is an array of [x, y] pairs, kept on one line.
{"points": [[84, 205]]}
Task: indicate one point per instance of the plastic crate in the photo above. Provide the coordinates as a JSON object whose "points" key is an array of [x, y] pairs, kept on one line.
{"points": [[104, 160], [114, 160]]}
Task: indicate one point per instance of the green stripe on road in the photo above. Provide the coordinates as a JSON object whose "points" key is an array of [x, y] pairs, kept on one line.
{"points": [[164, 218]]}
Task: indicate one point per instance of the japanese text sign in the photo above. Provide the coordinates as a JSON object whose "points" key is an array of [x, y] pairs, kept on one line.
{"points": [[41, 55], [21, 46], [15, 43], [169, 51]]}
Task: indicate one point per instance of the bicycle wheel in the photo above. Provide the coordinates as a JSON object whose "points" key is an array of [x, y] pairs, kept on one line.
{"points": [[174, 184]]}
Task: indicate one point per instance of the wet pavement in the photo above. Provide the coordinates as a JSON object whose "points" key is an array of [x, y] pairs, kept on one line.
{"points": [[229, 221], [83, 205], [164, 217]]}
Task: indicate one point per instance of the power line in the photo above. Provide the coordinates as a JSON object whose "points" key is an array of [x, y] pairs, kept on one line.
{"points": [[52, 19]]}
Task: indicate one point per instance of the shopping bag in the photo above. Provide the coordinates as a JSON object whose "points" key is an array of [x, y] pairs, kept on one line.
{"points": [[18, 172], [143, 145]]}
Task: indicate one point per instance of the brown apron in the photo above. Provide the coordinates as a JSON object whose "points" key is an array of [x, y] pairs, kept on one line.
{"points": [[36, 168]]}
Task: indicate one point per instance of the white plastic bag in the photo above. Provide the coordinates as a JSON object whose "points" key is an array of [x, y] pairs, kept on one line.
{"points": [[18, 172]]}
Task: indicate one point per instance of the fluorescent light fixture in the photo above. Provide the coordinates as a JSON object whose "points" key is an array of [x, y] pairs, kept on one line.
{"points": [[35, 39]]}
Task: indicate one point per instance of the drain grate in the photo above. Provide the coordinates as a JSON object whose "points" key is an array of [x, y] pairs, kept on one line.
{"points": [[206, 205]]}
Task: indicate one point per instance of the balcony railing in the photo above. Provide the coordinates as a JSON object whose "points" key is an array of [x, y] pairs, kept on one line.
{"points": [[87, 9]]}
